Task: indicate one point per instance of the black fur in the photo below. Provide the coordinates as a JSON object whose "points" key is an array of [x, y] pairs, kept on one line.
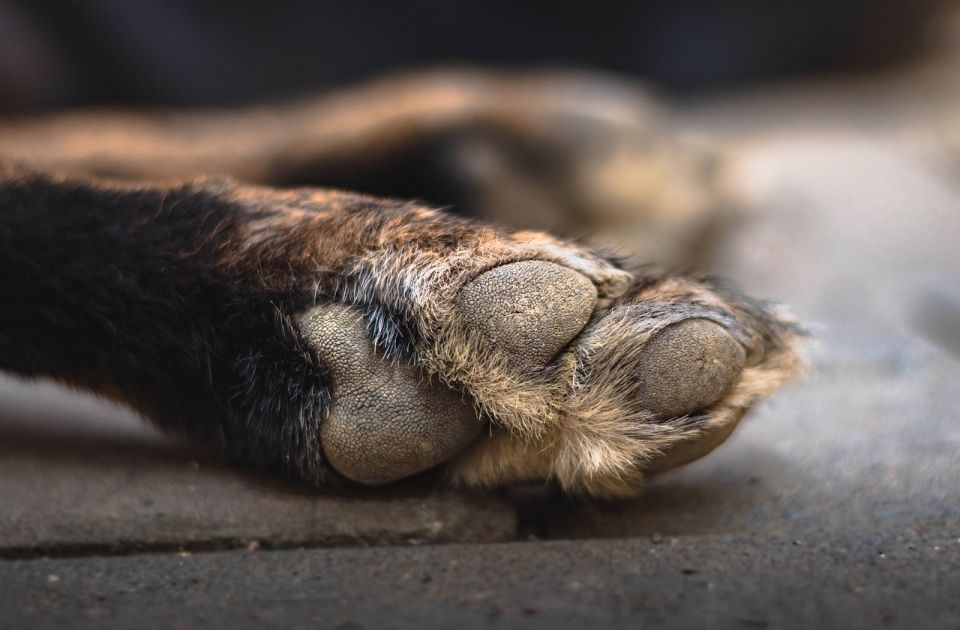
{"points": [[131, 294]]}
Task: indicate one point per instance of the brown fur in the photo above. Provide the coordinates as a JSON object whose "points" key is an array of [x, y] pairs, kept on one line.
{"points": [[606, 167]]}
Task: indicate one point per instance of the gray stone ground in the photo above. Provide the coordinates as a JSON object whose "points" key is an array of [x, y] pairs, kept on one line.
{"points": [[749, 580], [836, 504]]}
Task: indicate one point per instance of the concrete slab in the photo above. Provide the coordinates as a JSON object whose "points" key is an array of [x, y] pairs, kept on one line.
{"points": [[849, 580]]}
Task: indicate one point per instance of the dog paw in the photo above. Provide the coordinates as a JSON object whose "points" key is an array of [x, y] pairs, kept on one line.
{"points": [[587, 375], [506, 356]]}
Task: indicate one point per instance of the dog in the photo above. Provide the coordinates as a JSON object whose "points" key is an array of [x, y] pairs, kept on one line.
{"points": [[210, 270]]}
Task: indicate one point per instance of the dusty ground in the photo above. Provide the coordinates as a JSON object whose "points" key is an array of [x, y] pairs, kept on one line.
{"points": [[837, 504]]}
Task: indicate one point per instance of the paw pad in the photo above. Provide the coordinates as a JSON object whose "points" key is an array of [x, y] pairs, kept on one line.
{"points": [[688, 366], [529, 310], [387, 421]]}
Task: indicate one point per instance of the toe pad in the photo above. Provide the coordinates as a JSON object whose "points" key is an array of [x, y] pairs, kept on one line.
{"points": [[529, 310], [688, 366]]}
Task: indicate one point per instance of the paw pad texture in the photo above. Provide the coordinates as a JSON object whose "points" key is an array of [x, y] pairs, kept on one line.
{"points": [[529, 310], [387, 421], [688, 366]]}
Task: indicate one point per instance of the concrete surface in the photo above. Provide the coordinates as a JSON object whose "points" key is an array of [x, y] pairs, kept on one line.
{"points": [[837, 504], [848, 580]]}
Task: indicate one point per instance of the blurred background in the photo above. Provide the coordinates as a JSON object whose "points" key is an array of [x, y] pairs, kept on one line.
{"points": [[205, 52], [808, 150]]}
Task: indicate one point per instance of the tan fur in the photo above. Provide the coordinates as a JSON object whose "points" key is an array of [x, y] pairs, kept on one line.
{"points": [[602, 442]]}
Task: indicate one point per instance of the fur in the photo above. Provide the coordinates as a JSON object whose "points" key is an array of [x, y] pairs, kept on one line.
{"points": [[180, 300]]}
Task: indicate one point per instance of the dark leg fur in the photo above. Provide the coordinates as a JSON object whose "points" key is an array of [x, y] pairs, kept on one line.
{"points": [[141, 295]]}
